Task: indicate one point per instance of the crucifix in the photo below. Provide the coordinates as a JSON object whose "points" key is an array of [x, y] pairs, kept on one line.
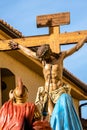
{"points": [[50, 56], [54, 38]]}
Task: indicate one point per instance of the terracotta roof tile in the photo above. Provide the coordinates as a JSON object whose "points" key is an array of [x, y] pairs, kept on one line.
{"points": [[10, 28]]}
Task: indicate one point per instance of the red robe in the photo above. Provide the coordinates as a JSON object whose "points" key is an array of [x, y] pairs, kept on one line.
{"points": [[14, 117]]}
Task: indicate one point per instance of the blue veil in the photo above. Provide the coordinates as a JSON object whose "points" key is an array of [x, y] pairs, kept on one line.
{"points": [[64, 116]]}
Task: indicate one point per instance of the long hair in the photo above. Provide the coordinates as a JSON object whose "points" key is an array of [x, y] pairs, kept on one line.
{"points": [[42, 50]]}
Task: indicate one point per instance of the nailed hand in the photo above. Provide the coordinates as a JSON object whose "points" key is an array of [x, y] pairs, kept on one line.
{"points": [[13, 45]]}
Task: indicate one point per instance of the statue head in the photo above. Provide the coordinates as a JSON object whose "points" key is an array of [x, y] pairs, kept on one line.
{"points": [[20, 93], [43, 51]]}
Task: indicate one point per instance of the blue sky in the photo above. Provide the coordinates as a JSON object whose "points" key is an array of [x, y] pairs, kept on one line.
{"points": [[22, 16]]}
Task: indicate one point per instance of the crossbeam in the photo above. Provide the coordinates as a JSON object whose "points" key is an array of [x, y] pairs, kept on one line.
{"points": [[53, 19], [64, 38]]}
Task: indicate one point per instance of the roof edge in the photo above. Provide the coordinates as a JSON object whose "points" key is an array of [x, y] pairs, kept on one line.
{"points": [[75, 80]]}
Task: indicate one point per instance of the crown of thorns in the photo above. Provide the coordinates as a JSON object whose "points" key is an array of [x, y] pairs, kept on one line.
{"points": [[42, 50]]}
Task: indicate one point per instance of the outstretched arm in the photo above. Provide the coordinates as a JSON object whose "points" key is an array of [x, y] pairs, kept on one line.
{"points": [[76, 47], [27, 51]]}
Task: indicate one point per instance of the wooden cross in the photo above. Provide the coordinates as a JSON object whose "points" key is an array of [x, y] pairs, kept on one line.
{"points": [[54, 38]]}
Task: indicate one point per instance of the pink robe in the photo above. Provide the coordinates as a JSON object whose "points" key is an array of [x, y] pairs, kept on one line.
{"points": [[12, 117]]}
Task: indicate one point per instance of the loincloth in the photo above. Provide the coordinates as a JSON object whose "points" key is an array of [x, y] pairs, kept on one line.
{"points": [[41, 96]]}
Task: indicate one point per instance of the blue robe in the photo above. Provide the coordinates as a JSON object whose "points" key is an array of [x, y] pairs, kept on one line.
{"points": [[64, 116]]}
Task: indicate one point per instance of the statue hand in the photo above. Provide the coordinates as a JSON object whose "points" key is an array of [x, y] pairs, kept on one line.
{"points": [[13, 45], [41, 125]]}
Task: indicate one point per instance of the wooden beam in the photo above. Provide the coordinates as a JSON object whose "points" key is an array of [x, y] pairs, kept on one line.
{"points": [[27, 41], [72, 37], [63, 38], [53, 19]]}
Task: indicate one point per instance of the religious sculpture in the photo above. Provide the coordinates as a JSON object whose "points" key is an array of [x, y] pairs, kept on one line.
{"points": [[19, 114], [54, 91]]}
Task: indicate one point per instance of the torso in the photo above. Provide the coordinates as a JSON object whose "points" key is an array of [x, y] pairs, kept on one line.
{"points": [[53, 72]]}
